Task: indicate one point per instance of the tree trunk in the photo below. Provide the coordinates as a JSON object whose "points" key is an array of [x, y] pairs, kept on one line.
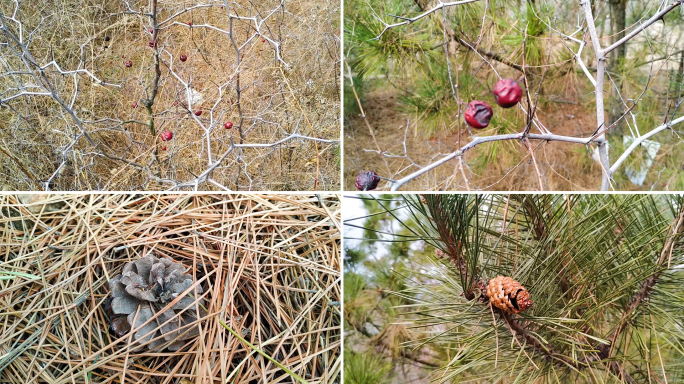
{"points": [[618, 16], [680, 76]]}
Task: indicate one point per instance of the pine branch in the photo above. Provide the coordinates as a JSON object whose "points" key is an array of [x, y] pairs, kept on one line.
{"points": [[491, 55], [406, 354], [550, 353], [642, 295], [452, 36], [454, 251]]}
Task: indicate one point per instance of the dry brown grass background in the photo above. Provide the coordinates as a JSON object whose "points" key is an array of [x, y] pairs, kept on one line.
{"points": [[269, 265], [37, 135]]}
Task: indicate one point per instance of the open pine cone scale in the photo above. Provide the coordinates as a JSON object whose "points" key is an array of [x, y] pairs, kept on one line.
{"points": [[151, 283], [508, 295]]}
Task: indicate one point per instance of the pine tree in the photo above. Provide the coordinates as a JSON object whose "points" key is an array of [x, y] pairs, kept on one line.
{"points": [[603, 272]]}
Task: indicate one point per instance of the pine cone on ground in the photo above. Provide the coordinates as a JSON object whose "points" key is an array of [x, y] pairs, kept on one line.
{"points": [[508, 295], [150, 283]]}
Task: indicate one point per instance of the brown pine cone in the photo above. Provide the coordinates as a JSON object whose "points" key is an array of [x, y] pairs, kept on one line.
{"points": [[143, 288], [508, 295]]}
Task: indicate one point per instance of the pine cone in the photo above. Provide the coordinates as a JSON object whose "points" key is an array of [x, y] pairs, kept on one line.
{"points": [[508, 295], [150, 283]]}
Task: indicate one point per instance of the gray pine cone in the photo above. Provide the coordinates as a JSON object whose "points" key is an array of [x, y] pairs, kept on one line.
{"points": [[152, 283]]}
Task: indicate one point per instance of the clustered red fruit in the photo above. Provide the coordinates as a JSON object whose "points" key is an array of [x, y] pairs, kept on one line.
{"points": [[367, 181], [507, 93], [183, 57], [198, 112], [129, 64], [478, 114], [166, 135], [228, 125]]}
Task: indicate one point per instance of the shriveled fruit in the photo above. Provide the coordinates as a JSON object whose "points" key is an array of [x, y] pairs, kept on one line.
{"points": [[198, 112], [166, 135], [507, 93], [228, 125], [478, 114], [135, 105], [152, 44], [183, 57], [367, 181], [129, 64]]}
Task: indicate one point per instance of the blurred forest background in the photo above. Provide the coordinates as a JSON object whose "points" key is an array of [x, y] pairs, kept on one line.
{"points": [[604, 272], [401, 81]]}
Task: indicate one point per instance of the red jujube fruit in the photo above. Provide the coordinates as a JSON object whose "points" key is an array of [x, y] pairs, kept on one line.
{"points": [[229, 125], [183, 57], [507, 93], [166, 135], [478, 114]]}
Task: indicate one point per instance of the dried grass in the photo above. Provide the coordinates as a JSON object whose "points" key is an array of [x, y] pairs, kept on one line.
{"points": [[41, 148], [269, 265]]}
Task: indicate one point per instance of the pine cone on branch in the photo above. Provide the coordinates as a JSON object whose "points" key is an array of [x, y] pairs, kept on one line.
{"points": [[147, 285], [508, 295]]}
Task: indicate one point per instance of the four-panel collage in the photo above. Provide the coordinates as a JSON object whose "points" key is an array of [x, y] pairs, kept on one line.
{"points": [[341, 191]]}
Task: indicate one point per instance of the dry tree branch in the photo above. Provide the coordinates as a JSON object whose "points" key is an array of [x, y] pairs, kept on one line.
{"points": [[249, 88], [599, 138]]}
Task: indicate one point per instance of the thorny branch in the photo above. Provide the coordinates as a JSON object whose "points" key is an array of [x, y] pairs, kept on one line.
{"points": [[136, 155]]}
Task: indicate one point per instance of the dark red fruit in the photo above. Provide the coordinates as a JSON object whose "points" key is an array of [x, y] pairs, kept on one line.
{"points": [[367, 181], [507, 93], [166, 135], [478, 114], [198, 112], [151, 44], [135, 105], [190, 24], [164, 148], [183, 57], [228, 125], [129, 64], [263, 40]]}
